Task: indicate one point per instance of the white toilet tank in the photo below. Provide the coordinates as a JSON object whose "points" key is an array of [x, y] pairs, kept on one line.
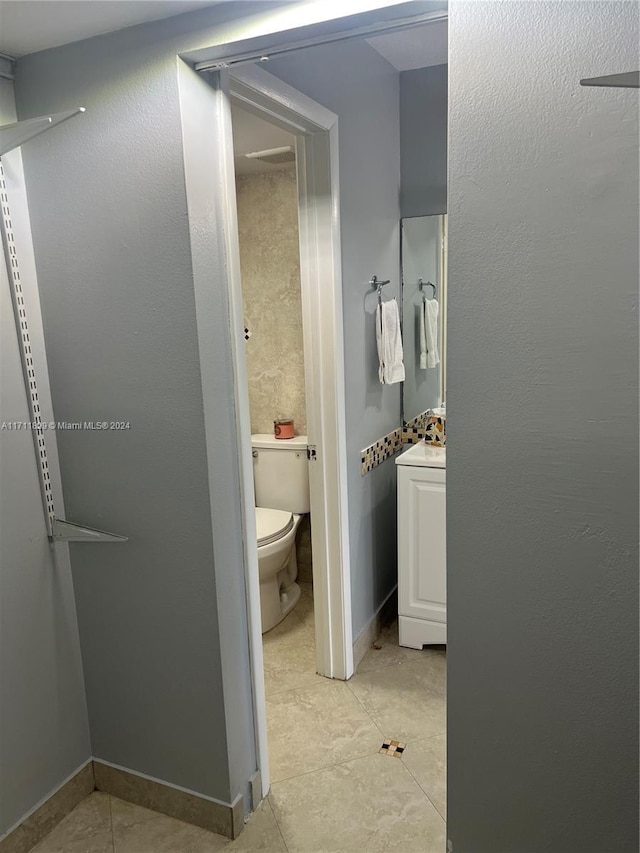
{"points": [[281, 472]]}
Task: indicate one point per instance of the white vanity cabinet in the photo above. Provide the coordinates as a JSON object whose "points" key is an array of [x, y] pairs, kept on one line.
{"points": [[422, 581]]}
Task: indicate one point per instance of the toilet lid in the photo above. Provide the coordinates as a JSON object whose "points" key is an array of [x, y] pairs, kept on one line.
{"points": [[272, 524]]}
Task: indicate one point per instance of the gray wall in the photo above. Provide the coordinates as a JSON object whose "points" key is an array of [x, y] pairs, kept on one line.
{"points": [[423, 141], [44, 733], [117, 261], [542, 515], [117, 280], [356, 83]]}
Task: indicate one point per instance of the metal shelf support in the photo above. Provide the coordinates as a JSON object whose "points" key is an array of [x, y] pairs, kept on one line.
{"points": [[13, 135], [628, 80], [67, 531]]}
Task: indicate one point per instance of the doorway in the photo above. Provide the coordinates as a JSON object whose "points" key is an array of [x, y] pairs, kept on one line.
{"points": [[316, 132]]}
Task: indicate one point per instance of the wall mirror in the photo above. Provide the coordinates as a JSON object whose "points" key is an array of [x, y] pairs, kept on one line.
{"points": [[424, 277]]}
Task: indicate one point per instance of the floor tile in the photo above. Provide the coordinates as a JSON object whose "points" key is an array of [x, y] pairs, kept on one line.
{"points": [[261, 833], [99, 842], [289, 645], [289, 657], [369, 804], [306, 588], [87, 828], [304, 608], [138, 830], [426, 760], [432, 669], [125, 815], [316, 727], [386, 651], [282, 680], [400, 702]]}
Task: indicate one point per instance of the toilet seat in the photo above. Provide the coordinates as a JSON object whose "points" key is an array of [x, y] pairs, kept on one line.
{"points": [[272, 524]]}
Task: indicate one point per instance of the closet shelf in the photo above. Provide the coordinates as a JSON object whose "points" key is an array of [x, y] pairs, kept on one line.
{"points": [[627, 80], [13, 135], [67, 531]]}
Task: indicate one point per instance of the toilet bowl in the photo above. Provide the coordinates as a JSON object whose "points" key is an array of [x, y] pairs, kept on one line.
{"points": [[277, 564], [281, 479]]}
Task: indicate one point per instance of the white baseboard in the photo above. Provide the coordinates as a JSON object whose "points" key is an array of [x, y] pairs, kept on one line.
{"points": [[370, 633]]}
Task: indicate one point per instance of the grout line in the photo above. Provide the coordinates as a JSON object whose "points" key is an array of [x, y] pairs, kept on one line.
{"points": [[366, 710], [405, 740], [425, 653], [286, 846], [317, 686], [326, 767], [113, 835], [302, 621], [430, 691], [426, 793]]}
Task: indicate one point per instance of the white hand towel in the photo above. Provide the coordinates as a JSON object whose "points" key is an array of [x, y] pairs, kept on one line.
{"points": [[379, 343], [431, 309], [389, 341], [423, 338]]}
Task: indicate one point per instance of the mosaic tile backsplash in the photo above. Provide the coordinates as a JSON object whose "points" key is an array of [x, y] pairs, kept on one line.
{"points": [[377, 453], [431, 428]]}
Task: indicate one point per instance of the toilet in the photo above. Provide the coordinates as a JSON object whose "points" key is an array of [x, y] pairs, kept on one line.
{"points": [[281, 478]]}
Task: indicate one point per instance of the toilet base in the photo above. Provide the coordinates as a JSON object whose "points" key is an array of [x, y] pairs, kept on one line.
{"points": [[289, 598], [276, 603]]}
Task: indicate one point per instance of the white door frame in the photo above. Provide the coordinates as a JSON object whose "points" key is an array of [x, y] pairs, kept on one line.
{"points": [[316, 130]]}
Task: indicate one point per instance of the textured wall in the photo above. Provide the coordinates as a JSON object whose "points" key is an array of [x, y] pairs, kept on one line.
{"points": [[423, 141], [116, 275], [354, 81], [44, 730], [114, 247], [270, 259], [542, 515]]}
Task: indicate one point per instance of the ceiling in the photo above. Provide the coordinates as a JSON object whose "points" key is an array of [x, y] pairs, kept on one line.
{"points": [[418, 47], [251, 133], [27, 26]]}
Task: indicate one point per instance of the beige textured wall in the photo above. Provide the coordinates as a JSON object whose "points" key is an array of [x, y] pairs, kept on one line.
{"points": [[270, 260]]}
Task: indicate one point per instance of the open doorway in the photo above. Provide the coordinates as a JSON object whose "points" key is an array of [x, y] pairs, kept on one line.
{"points": [[275, 108], [398, 695], [267, 205]]}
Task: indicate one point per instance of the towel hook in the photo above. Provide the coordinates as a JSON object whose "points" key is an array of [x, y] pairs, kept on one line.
{"points": [[422, 284], [373, 282]]}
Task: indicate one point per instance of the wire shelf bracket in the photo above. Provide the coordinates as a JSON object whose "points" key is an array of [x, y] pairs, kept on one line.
{"points": [[67, 531], [13, 135], [627, 80]]}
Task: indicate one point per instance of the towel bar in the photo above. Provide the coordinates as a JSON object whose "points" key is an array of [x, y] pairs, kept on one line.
{"points": [[378, 285]]}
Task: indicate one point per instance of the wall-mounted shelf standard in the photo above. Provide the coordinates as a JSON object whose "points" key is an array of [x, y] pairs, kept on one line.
{"points": [[627, 80], [12, 136]]}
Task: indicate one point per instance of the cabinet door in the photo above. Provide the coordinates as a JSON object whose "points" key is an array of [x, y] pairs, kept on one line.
{"points": [[422, 543]]}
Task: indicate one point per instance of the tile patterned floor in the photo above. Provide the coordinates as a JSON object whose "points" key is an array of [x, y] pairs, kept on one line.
{"points": [[332, 790]]}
